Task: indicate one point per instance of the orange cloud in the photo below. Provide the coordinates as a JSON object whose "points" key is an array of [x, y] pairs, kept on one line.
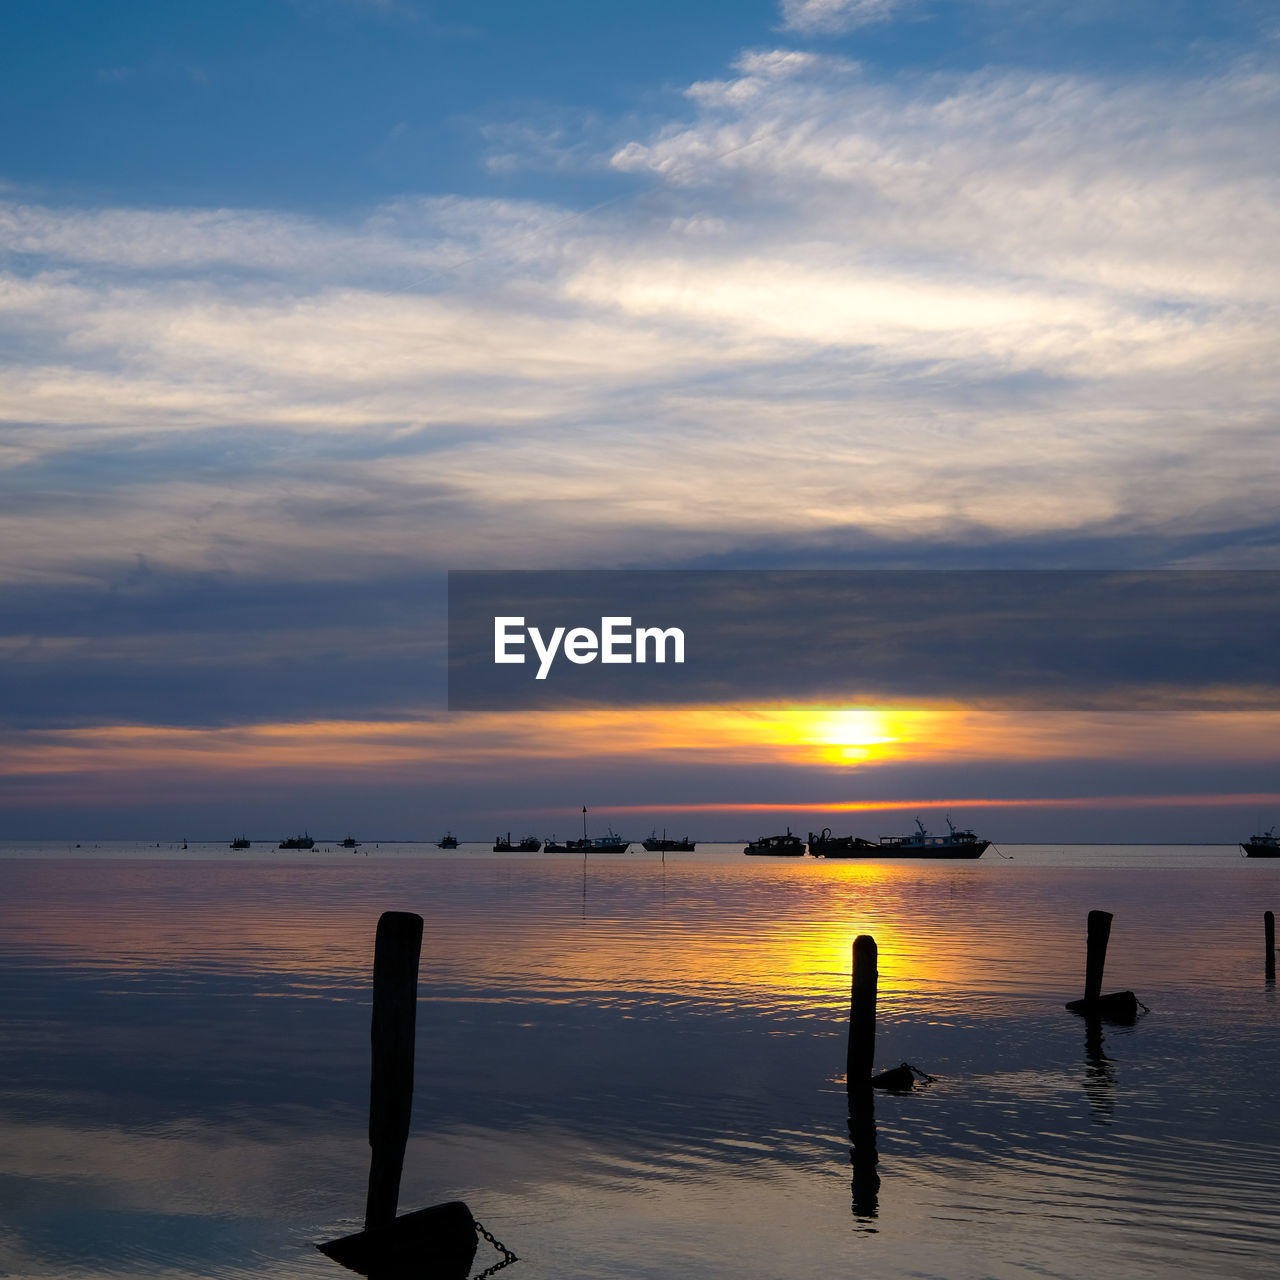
{"points": [[820, 734]]}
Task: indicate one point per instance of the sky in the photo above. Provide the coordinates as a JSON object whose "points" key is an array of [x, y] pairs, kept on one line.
{"points": [[304, 303]]}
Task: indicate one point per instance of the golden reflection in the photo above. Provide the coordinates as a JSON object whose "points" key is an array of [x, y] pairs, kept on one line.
{"points": [[786, 940]]}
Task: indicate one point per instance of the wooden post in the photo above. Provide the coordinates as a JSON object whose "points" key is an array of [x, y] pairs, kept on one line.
{"points": [[1096, 953], [1269, 933], [1119, 1006], [862, 1013], [395, 999]]}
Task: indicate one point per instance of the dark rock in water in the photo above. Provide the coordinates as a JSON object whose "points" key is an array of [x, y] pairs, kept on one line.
{"points": [[437, 1243]]}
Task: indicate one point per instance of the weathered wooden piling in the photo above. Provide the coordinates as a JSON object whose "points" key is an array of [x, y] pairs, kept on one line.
{"points": [[862, 1013], [436, 1243], [1118, 1006], [395, 1000], [1269, 935], [1096, 952], [861, 1054]]}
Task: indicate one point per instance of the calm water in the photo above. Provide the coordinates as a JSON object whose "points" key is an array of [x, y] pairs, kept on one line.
{"points": [[635, 1069]]}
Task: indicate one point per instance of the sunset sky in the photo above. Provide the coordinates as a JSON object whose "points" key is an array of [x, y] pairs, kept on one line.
{"points": [[305, 302]]}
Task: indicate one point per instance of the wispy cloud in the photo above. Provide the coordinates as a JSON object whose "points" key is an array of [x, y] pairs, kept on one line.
{"points": [[837, 16], [966, 308]]}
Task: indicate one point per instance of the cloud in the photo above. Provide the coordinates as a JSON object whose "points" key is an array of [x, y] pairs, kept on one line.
{"points": [[833, 17], [995, 309]]}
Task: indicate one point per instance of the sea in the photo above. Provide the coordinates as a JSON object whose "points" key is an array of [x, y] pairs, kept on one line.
{"points": [[632, 1066]]}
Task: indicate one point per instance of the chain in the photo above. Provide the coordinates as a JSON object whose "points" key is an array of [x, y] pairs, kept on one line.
{"points": [[924, 1075], [507, 1256]]}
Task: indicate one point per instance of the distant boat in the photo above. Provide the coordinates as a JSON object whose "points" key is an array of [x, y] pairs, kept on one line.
{"points": [[529, 844], [825, 845], [303, 841], [612, 843], [1266, 845], [659, 843], [240, 842], [920, 844], [351, 843], [596, 844], [447, 841], [787, 846]]}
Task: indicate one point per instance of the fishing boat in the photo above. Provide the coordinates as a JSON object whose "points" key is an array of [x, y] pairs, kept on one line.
{"points": [[351, 843], [1266, 845], [612, 843], [825, 845], [660, 844], [787, 846], [920, 844], [240, 842], [529, 844], [447, 841], [303, 841], [609, 844]]}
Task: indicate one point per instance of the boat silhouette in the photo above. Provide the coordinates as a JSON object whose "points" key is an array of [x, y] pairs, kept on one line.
{"points": [[1265, 845], [529, 844], [661, 844], [957, 843], [786, 846]]}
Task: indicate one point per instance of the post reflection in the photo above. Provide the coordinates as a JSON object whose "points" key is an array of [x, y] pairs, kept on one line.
{"points": [[864, 1157], [1100, 1073]]}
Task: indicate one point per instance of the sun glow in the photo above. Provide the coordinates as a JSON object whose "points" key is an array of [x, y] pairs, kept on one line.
{"points": [[851, 734], [826, 735]]}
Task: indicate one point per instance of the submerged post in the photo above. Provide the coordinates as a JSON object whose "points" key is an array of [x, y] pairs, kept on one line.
{"points": [[862, 1013], [1269, 933], [395, 1000], [1096, 953]]}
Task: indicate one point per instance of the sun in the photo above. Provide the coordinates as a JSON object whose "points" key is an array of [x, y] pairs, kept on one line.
{"points": [[843, 735]]}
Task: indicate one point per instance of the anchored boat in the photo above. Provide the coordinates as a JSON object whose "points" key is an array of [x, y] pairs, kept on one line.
{"points": [[787, 846], [530, 844], [447, 841], [920, 844], [303, 841], [660, 844], [612, 843], [1266, 845], [240, 842], [825, 845]]}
